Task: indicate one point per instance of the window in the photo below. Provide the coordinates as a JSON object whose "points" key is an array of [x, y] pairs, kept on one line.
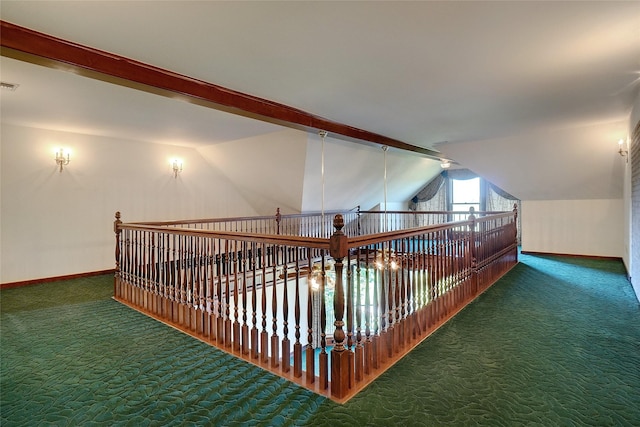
{"points": [[465, 193]]}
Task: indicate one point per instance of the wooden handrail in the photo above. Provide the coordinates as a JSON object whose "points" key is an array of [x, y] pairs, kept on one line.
{"points": [[275, 239]]}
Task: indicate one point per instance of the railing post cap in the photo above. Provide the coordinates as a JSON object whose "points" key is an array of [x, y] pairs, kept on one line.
{"points": [[338, 222]]}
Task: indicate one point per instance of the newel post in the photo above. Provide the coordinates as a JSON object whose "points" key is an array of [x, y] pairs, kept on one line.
{"points": [[340, 361], [118, 232]]}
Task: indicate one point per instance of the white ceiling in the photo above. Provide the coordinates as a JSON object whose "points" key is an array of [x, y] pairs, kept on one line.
{"points": [[420, 72]]}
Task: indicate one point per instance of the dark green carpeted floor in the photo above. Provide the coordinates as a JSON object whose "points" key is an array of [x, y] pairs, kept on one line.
{"points": [[555, 342]]}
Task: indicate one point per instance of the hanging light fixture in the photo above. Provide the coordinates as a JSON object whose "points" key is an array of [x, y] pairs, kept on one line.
{"points": [[384, 149], [316, 276], [385, 258]]}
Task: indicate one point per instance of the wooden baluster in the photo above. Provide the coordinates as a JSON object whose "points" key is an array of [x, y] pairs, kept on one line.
{"points": [[433, 279], [182, 278], [445, 274], [254, 302], [310, 352], [138, 269], [415, 288], [207, 281], [196, 324], [186, 282], [359, 350], [236, 298], [473, 253], [368, 356], [264, 335], [407, 270], [202, 283], [131, 266], [190, 267], [397, 298], [381, 314], [153, 272], [350, 321], [275, 344], [161, 279], [175, 271], [143, 269], [245, 326], [194, 263], [286, 345], [427, 279], [219, 297], [323, 358], [440, 274], [178, 281], [157, 266], [227, 295], [125, 240], [155, 294], [391, 300], [169, 277], [297, 346], [341, 368], [416, 295]]}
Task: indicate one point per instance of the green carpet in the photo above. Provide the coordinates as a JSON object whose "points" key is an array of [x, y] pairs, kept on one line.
{"points": [[555, 342]]}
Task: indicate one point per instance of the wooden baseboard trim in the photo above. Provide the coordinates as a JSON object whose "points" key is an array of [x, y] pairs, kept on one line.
{"points": [[54, 279], [611, 258]]}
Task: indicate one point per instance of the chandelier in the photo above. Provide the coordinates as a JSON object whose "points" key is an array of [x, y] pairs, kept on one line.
{"points": [[315, 276], [386, 260]]}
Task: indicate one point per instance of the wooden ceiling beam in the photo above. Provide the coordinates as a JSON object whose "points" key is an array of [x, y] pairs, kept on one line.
{"points": [[26, 44]]}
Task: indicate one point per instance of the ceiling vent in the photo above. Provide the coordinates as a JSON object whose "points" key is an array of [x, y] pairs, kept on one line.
{"points": [[9, 86]]}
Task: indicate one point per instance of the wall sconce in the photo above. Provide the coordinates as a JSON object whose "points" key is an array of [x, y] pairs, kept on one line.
{"points": [[176, 166], [62, 157], [623, 149]]}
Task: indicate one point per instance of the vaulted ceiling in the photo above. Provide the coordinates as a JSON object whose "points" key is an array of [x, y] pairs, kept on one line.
{"points": [[527, 94]]}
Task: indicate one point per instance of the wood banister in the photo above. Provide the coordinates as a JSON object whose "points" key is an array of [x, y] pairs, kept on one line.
{"points": [[198, 280]]}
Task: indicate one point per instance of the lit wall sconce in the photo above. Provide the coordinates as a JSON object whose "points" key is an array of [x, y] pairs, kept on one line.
{"points": [[62, 157], [176, 166], [623, 149], [445, 164]]}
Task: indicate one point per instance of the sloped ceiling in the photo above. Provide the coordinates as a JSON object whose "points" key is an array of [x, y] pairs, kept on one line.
{"points": [[486, 77]]}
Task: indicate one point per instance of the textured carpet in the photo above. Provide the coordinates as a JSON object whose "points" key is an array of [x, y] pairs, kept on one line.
{"points": [[555, 342]]}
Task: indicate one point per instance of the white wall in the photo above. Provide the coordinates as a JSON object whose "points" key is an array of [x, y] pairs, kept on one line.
{"points": [[578, 227], [266, 170], [55, 224], [576, 163], [632, 264], [354, 175]]}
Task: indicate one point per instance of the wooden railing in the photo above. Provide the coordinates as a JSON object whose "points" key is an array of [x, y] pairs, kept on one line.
{"points": [[290, 302]]}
